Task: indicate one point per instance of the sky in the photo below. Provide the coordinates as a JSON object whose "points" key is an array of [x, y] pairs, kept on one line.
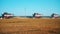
{"points": [[28, 7]]}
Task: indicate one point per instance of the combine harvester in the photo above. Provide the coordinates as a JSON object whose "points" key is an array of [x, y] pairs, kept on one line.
{"points": [[7, 15], [54, 15], [37, 15]]}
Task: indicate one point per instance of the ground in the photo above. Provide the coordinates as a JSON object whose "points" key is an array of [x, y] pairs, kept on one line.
{"points": [[29, 26]]}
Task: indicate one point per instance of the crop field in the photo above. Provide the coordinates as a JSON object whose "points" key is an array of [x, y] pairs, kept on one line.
{"points": [[29, 26]]}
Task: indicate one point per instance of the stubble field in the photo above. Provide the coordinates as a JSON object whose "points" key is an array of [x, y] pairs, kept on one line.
{"points": [[29, 26]]}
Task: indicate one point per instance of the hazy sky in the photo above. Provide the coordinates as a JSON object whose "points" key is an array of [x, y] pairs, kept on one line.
{"points": [[28, 7]]}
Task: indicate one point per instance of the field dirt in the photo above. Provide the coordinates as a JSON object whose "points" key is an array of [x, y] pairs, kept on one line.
{"points": [[29, 26]]}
